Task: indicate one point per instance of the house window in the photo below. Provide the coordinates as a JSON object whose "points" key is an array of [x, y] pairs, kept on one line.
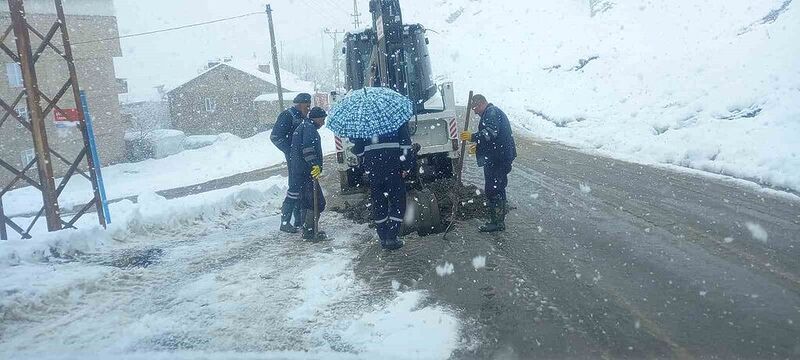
{"points": [[211, 105], [14, 73], [27, 156], [22, 111]]}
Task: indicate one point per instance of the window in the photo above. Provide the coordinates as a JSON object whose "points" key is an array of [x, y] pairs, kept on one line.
{"points": [[14, 73], [27, 156], [22, 111], [211, 105]]}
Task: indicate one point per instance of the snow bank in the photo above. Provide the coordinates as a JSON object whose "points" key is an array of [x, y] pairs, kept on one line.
{"points": [[229, 155], [711, 86], [151, 211]]}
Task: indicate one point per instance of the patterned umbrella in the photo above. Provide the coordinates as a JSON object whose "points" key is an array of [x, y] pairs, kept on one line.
{"points": [[369, 112]]}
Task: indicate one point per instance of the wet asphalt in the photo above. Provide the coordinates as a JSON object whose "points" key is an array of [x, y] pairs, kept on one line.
{"points": [[609, 259]]}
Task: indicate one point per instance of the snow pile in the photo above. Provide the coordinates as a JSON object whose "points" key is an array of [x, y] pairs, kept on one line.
{"points": [[229, 155], [712, 86], [151, 211], [225, 285], [193, 142]]}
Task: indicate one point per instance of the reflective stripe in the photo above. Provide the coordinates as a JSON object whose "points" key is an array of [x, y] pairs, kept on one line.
{"points": [[406, 147], [310, 157], [381, 221], [395, 219], [308, 150], [381, 146]]}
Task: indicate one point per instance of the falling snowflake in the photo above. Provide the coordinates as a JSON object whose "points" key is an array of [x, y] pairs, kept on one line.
{"points": [[444, 270], [757, 231], [479, 262]]}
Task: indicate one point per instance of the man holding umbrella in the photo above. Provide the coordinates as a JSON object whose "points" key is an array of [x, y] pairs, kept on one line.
{"points": [[387, 161], [376, 121], [281, 136], [305, 168]]}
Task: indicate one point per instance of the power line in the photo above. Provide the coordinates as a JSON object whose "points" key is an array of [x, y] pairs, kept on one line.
{"points": [[337, 7], [169, 29]]}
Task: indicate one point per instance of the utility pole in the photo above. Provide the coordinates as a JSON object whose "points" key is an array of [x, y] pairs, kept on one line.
{"points": [[41, 145], [275, 57], [356, 15], [334, 34]]}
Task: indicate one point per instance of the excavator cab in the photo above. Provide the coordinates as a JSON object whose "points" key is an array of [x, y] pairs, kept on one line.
{"points": [[363, 69]]}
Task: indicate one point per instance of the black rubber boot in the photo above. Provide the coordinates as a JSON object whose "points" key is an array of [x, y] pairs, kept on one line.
{"points": [[286, 218], [502, 210], [496, 218], [392, 245], [308, 228], [299, 217]]}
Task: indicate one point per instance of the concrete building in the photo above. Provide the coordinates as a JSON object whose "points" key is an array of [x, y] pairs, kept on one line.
{"points": [[87, 20], [222, 99]]}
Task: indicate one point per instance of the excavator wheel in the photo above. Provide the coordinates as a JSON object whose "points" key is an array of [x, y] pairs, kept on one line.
{"points": [[422, 213]]}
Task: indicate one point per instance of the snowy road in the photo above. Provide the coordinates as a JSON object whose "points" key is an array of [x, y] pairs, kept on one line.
{"points": [[611, 259]]}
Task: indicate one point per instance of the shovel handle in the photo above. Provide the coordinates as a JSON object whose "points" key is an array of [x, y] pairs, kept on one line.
{"points": [[316, 208], [464, 143]]}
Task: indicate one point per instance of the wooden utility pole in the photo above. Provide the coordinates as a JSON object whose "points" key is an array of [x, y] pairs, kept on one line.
{"points": [[275, 57]]}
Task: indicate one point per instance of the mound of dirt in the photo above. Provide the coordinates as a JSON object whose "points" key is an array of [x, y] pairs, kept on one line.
{"points": [[471, 200]]}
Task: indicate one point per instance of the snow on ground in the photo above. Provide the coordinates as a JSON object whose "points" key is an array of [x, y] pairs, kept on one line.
{"points": [[207, 276], [228, 156], [712, 86]]}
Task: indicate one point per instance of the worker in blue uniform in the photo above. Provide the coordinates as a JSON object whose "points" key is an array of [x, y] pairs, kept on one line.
{"points": [[305, 164], [387, 160], [281, 136], [495, 150]]}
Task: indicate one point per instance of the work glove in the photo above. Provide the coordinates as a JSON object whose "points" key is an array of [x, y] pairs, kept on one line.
{"points": [[316, 172], [473, 149], [466, 136]]}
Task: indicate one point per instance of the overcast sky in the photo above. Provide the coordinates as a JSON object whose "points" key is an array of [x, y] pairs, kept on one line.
{"points": [[166, 58]]}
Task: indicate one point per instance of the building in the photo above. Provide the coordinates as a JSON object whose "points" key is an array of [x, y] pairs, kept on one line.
{"points": [[87, 20], [222, 98]]}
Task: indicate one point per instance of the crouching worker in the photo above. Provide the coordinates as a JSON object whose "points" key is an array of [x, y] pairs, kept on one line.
{"points": [[305, 161]]}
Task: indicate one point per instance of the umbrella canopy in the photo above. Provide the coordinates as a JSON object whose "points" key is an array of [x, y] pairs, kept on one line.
{"points": [[370, 112]]}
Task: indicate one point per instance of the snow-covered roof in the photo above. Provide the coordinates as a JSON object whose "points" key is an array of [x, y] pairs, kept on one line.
{"points": [[141, 95], [274, 96], [289, 81]]}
